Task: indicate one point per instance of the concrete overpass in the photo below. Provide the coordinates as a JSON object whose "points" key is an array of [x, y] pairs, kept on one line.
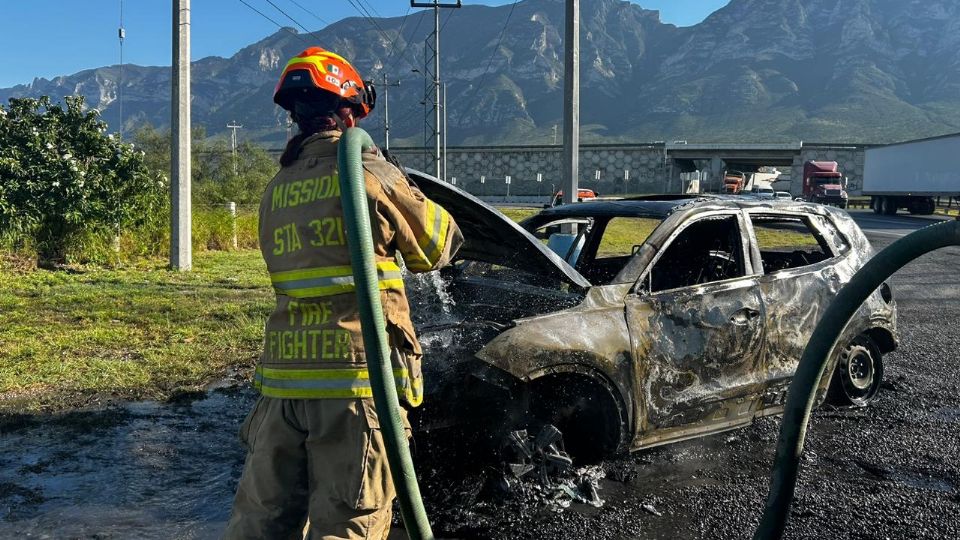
{"points": [[712, 159]]}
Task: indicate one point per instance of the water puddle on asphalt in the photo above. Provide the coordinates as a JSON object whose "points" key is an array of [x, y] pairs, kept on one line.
{"points": [[142, 470]]}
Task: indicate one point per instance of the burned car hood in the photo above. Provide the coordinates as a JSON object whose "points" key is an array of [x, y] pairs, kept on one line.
{"points": [[492, 237]]}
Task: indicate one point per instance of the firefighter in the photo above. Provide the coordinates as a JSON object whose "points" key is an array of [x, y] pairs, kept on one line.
{"points": [[314, 445]]}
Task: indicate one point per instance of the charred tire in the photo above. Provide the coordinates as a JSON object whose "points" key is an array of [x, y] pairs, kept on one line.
{"points": [[585, 411], [858, 374]]}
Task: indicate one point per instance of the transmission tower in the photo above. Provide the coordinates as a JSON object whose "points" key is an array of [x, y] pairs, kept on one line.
{"points": [[432, 54]]}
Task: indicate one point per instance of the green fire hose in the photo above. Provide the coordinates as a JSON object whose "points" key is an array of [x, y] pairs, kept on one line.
{"points": [[353, 195], [802, 392]]}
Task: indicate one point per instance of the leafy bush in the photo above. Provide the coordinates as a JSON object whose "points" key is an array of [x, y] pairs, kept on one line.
{"points": [[62, 178], [218, 176]]}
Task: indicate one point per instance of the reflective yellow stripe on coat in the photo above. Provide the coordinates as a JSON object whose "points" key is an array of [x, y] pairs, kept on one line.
{"points": [[330, 280], [330, 383], [434, 238]]}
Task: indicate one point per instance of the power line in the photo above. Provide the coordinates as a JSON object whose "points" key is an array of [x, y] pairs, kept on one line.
{"points": [[315, 16], [282, 27], [366, 14], [412, 35], [370, 7], [483, 78], [449, 16], [296, 22], [393, 44]]}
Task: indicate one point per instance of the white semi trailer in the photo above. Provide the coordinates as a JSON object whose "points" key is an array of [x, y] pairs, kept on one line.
{"points": [[911, 174]]}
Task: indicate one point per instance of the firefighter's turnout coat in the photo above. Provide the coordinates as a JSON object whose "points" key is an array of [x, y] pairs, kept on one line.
{"points": [[313, 346]]}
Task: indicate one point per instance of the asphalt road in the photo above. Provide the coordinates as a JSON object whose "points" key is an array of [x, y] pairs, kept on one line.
{"points": [[883, 229], [890, 470]]}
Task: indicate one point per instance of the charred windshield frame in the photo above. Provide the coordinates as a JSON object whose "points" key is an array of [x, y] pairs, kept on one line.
{"points": [[589, 255], [643, 285]]}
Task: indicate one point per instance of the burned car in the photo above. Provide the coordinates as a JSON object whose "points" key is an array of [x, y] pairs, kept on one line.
{"points": [[640, 322]]}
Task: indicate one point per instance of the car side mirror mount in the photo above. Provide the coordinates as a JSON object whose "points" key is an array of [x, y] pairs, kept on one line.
{"points": [[642, 288]]}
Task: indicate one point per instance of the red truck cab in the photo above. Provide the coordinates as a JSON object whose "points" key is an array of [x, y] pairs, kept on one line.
{"points": [[823, 183]]}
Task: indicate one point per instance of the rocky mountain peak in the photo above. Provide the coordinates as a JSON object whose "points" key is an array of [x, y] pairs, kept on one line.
{"points": [[832, 70]]}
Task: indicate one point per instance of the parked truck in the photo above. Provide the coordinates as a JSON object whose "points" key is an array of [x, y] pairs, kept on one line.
{"points": [[753, 183], [824, 183], [911, 174], [733, 182]]}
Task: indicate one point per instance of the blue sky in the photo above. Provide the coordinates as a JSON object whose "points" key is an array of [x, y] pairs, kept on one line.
{"points": [[46, 38]]}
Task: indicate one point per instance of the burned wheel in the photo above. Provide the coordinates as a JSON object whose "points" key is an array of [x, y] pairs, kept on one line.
{"points": [[584, 411], [858, 374]]}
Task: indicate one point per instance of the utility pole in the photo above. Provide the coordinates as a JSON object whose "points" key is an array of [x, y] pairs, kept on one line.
{"points": [[444, 132], [426, 157], [121, 33], [181, 251], [386, 110], [436, 5], [233, 143], [571, 100]]}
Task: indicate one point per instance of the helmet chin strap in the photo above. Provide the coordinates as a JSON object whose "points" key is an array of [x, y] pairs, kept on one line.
{"points": [[339, 121]]}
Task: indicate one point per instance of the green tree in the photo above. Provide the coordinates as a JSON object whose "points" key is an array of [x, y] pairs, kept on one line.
{"points": [[241, 180], [217, 178], [62, 175]]}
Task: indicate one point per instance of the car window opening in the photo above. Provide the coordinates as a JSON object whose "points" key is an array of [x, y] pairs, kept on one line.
{"points": [[707, 251], [614, 243], [558, 238], [788, 242]]}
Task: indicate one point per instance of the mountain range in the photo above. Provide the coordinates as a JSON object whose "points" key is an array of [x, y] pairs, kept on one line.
{"points": [[864, 71]]}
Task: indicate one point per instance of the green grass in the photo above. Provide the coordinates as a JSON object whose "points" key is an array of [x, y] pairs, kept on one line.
{"points": [[782, 239], [92, 335], [622, 234], [518, 214]]}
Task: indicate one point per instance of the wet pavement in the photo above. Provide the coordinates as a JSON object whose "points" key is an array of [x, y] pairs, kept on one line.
{"points": [[143, 470], [891, 470]]}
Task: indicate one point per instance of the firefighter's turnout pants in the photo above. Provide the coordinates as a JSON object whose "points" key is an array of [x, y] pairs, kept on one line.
{"points": [[296, 445]]}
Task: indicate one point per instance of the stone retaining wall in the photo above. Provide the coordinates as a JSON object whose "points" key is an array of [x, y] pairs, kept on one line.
{"points": [[649, 166]]}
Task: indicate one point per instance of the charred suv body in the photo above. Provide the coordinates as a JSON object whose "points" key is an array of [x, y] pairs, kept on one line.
{"points": [[657, 320]]}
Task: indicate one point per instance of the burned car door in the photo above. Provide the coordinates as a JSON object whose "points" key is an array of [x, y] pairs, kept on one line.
{"points": [[800, 279], [696, 321]]}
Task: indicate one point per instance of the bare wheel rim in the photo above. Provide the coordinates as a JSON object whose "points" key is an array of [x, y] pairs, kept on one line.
{"points": [[859, 371], [860, 368]]}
